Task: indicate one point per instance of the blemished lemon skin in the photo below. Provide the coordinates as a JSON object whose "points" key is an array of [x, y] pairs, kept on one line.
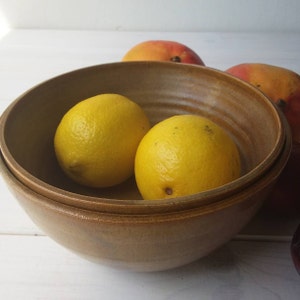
{"points": [[184, 155], [96, 140]]}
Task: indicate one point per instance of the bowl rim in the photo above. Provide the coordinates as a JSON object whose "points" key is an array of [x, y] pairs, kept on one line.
{"points": [[136, 205], [148, 216]]}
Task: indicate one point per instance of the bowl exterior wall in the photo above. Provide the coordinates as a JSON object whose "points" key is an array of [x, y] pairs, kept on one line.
{"points": [[145, 242], [139, 243]]}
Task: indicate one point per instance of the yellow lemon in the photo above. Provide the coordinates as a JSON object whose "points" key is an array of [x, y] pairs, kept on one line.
{"points": [[96, 140], [184, 155]]}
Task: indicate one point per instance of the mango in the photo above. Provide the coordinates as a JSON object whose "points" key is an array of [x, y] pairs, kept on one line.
{"points": [[279, 84], [162, 50]]}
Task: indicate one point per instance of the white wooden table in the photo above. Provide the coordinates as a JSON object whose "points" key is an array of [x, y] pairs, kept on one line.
{"points": [[254, 265]]}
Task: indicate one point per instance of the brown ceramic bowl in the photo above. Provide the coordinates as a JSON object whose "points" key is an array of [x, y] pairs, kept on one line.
{"points": [[146, 242], [114, 226], [162, 89]]}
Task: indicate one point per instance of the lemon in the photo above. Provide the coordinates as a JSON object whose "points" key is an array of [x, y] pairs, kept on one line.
{"points": [[96, 140], [184, 155]]}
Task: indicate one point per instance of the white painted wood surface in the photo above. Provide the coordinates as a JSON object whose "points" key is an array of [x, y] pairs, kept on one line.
{"points": [[155, 15], [254, 265]]}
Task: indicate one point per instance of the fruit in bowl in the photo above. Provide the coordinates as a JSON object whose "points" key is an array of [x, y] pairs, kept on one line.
{"points": [[101, 141], [96, 140], [183, 155]]}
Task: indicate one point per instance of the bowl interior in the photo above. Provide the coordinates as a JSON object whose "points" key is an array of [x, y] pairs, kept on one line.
{"points": [[162, 89]]}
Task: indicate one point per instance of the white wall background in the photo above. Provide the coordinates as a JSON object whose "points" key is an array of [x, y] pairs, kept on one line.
{"points": [[153, 15]]}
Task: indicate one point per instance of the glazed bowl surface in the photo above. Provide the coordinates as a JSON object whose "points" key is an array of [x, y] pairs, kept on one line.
{"points": [[162, 89], [146, 242]]}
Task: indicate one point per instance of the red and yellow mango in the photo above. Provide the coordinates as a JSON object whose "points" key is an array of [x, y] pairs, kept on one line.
{"points": [[281, 85]]}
